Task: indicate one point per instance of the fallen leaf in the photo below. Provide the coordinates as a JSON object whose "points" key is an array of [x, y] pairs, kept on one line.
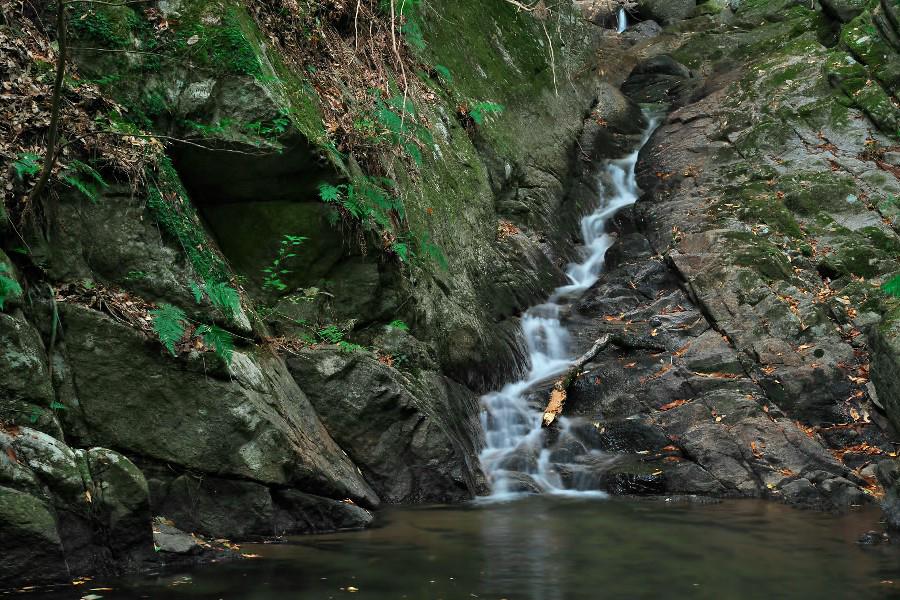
{"points": [[672, 404]]}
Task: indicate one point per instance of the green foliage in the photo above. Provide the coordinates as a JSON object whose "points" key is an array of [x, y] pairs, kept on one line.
{"points": [[398, 324], [444, 73], [892, 286], [272, 129], [223, 47], [417, 245], [27, 164], [100, 24], [135, 275], [274, 272], [331, 334], [220, 126], [223, 296], [197, 290], [482, 110], [9, 287], [169, 324], [171, 207], [84, 178], [366, 199], [219, 340], [399, 124], [349, 347]]}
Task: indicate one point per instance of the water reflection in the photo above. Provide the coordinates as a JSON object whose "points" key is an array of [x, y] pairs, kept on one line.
{"points": [[552, 548]]}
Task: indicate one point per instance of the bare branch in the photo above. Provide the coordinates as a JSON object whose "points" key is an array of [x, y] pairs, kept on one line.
{"points": [[53, 134]]}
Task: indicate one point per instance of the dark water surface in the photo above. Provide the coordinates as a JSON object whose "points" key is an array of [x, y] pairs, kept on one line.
{"points": [[555, 548]]}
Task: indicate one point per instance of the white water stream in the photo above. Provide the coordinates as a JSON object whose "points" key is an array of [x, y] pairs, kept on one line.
{"points": [[622, 21], [515, 447]]}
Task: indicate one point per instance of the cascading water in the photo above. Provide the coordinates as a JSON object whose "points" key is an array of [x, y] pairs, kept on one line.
{"points": [[622, 20], [515, 451]]}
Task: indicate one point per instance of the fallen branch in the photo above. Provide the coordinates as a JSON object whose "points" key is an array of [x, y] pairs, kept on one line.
{"points": [[559, 392]]}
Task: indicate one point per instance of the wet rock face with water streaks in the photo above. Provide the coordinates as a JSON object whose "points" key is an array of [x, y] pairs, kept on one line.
{"points": [[755, 256]]}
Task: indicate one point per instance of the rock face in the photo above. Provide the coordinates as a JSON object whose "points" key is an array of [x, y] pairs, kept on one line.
{"points": [[389, 339], [65, 511], [416, 440], [666, 11], [752, 259]]}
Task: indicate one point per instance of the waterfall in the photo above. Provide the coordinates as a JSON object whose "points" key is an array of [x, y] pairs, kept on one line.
{"points": [[622, 20], [515, 449]]}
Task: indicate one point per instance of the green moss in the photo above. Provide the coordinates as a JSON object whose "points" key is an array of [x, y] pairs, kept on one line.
{"points": [[810, 193], [759, 254], [170, 205]]}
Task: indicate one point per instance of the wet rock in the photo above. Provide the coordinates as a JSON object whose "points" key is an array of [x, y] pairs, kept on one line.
{"points": [[889, 477], [67, 511], [666, 11], [520, 483], [843, 10], [874, 538], [633, 477], [660, 79], [415, 440], [171, 540], [247, 421]]}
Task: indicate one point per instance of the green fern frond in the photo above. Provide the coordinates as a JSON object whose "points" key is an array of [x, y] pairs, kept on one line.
{"points": [[219, 340], [480, 111], [169, 324], [398, 324], [197, 291], [27, 163], [329, 193], [892, 286], [444, 73], [224, 297], [9, 287]]}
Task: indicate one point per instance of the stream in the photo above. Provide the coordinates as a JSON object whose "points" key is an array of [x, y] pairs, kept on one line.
{"points": [[516, 458], [566, 542], [550, 548]]}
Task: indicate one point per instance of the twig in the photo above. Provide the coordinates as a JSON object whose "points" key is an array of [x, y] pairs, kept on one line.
{"points": [[53, 134], [559, 393]]}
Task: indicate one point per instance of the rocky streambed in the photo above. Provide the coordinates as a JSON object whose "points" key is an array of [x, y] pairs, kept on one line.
{"points": [[753, 259]]}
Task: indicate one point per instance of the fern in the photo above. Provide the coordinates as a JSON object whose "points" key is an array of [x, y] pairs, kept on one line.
{"points": [[444, 73], [398, 324], [219, 340], [329, 193], [9, 287], [91, 186], [349, 347], [169, 324], [27, 163], [197, 291], [331, 334], [892, 286], [480, 111], [401, 249], [224, 297]]}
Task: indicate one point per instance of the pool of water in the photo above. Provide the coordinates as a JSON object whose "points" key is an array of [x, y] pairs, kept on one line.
{"points": [[548, 548]]}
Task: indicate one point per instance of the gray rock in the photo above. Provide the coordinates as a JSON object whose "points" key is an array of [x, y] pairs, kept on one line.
{"points": [[889, 477], [843, 10], [666, 11], [414, 439]]}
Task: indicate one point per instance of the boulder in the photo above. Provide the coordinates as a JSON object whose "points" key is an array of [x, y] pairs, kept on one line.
{"points": [[666, 11], [416, 439], [888, 472], [66, 512], [843, 10], [246, 421]]}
